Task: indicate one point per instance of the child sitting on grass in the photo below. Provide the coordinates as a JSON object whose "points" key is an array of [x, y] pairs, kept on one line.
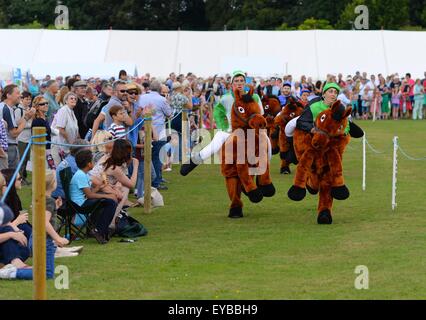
{"points": [[53, 239]]}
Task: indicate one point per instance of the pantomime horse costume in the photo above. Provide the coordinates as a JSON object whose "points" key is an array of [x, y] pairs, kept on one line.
{"points": [[241, 158], [321, 135]]}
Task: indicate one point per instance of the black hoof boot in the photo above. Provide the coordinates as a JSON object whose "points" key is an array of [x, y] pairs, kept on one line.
{"points": [[275, 150], [296, 193], [255, 195], [311, 190], [235, 213], [268, 190], [324, 217], [187, 167], [285, 170], [340, 193]]}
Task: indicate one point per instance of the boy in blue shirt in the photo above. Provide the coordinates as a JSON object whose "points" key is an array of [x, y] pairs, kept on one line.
{"points": [[86, 198]]}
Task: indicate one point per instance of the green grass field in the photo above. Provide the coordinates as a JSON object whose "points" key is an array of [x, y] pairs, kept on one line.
{"points": [[193, 251]]}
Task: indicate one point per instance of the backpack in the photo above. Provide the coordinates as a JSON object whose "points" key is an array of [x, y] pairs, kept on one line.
{"points": [[94, 111], [128, 227]]}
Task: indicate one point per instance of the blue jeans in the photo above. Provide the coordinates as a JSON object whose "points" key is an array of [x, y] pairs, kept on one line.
{"points": [[11, 249], [27, 274], [140, 182], [156, 161]]}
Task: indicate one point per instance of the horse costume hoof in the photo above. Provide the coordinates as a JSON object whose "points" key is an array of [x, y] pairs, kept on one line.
{"points": [[255, 195], [296, 193], [187, 167], [324, 217], [268, 190], [340, 193], [311, 190], [275, 150], [235, 213], [285, 170]]}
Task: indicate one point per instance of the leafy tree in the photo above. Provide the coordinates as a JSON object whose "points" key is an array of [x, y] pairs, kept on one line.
{"points": [[312, 23]]}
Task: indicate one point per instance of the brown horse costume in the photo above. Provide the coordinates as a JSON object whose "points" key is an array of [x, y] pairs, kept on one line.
{"points": [[244, 157], [292, 109], [271, 106], [320, 160]]}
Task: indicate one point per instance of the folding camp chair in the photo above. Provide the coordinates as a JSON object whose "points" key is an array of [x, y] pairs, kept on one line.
{"points": [[70, 210]]}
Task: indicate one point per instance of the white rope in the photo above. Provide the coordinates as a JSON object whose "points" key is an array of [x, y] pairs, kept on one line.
{"points": [[410, 157], [372, 149]]}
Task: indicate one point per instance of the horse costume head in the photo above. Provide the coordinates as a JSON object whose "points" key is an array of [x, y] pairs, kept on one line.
{"points": [[329, 124], [246, 112], [271, 106], [291, 110]]}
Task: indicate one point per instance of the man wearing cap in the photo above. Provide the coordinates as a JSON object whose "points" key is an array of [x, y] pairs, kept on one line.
{"points": [[285, 93], [82, 107], [222, 116]]}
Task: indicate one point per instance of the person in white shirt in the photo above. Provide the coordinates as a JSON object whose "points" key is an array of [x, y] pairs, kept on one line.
{"points": [[67, 124]]}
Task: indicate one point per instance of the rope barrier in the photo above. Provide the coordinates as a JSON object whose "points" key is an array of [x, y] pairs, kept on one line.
{"points": [[90, 145], [24, 155], [372, 149], [410, 157]]}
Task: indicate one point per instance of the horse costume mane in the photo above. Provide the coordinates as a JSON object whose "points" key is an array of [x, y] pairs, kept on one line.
{"points": [[238, 154], [320, 154]]}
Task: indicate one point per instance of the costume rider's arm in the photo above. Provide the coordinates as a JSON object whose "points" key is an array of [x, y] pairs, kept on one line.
{"points": [[289, 128]]}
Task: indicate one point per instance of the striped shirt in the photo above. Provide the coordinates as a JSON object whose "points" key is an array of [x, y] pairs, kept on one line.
{"points": [[117, 131]]}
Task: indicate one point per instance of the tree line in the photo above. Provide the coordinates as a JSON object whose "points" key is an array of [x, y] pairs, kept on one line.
{"points": [[214, 14]]}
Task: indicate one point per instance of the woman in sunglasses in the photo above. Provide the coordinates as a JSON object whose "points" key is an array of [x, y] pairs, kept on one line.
{"points": [[41, 105]]}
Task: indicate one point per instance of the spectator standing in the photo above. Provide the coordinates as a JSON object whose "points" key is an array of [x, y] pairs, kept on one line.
{"points": [[418, 100], [119, 96], [66, 123], [10, 99], [82, 107], [52, 89], [161, 111], [25, 136]]}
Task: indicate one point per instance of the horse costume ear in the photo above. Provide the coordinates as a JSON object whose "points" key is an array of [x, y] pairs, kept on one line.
{"points": [[251, 90], [338, 110], [347, 112]]}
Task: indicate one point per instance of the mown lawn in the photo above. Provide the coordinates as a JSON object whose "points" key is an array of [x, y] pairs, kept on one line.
{"points": [[193, 251]]}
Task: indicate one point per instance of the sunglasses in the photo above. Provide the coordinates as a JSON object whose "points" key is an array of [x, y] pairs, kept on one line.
{"points": [[43, 104], [132, 92], [123, 91]]}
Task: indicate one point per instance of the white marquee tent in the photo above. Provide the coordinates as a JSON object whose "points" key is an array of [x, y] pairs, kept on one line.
{"points": [[262, 53]]}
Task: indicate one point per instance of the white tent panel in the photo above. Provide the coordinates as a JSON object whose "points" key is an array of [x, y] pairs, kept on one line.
{"points": [[349, 51], [64, 46], [86, 70], [22, 47], [405, 52], [312, 53], [202, 52], [151, 51], [292, 51]]}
